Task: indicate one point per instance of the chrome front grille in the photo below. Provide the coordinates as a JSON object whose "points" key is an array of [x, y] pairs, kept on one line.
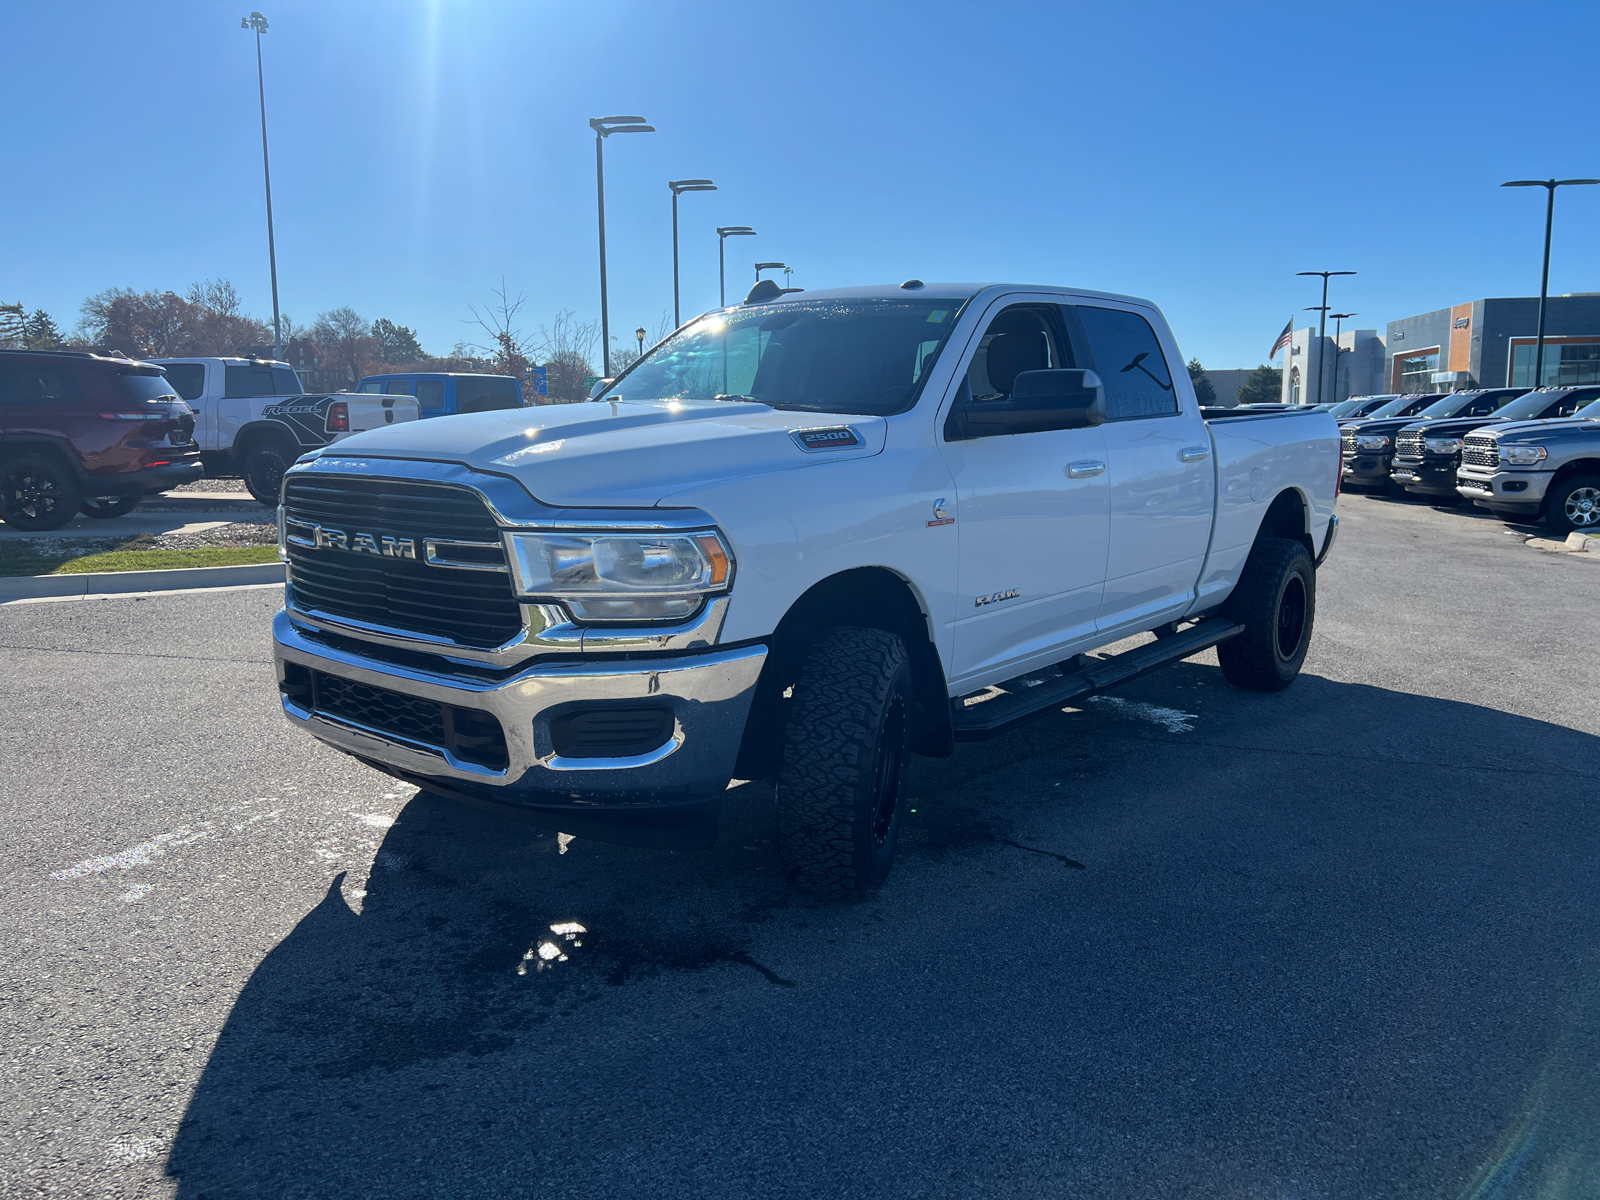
{"points": [[1409, 444], [1347, 441], [1480, 451], [422, 558]]}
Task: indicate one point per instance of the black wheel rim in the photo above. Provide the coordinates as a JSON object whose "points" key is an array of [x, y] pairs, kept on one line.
{"points": [[1291, 617], [268, 476], [34, 496], [886, 772]]}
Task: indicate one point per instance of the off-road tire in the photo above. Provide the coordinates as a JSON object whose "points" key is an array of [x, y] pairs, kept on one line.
{"points": [[1276, 602], [263, 468], [37, 493], [1574, 504], [104, 508], [846, 740]]}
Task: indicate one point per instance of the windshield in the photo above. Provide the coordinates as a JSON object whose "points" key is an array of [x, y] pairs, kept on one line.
{"points": [[1403, 406], [832, 356], [1345, 407], [1532, 405], [144, 387], [1466, 404], [1589, 412]]}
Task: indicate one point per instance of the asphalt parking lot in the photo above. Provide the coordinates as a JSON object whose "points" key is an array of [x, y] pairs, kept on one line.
{"points": [[1189, 941]]}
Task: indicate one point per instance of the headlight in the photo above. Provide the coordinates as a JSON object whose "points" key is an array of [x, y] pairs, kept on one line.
{"points": [[1521, 456], [1372, 441], [1442, 445], [621, 576]]}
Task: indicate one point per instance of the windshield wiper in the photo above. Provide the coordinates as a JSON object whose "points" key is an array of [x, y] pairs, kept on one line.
{"points": [[751, 399]]}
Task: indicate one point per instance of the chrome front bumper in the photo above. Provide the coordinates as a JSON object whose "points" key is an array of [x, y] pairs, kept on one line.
{"points": [[609, 798]]}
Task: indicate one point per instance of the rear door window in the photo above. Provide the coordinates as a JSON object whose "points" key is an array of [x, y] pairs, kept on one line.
{"points": [[1128, 359], [38, 382], [286, 382], [397, 387], [484, 392], [187, 379], [252, 380], [430, 393]]}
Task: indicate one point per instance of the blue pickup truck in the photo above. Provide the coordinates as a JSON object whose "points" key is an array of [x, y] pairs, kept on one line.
{"points": [[442, 394]]}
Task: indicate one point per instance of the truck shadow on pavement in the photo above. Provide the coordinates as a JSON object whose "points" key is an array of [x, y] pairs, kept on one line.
{"points": [[491, 1021]]}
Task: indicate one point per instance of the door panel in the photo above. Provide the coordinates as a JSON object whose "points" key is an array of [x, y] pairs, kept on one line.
{"points": [[1032, 514], [1160, 516], [1025, 525]]}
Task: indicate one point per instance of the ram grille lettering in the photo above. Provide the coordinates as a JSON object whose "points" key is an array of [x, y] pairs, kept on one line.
{"points": [[360, 543]]}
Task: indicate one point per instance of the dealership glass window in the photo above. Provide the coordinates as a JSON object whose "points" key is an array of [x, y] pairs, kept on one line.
{"points": [[1416, 373], [1565, 364]]}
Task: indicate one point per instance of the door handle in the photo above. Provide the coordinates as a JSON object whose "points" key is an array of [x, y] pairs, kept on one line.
{"points": [[1084, 468], [1194, 454]]}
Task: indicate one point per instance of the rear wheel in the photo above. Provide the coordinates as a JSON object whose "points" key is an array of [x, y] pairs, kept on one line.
{"points": [[263, 468], [846, 742], [1276, 602], [1574, 504], [37, 493], [103, 508]]}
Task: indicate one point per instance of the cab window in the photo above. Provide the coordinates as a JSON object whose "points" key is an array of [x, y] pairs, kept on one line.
{"points": [[187, 379], [397, 387], [1019, 339], [1128, 359], [430, 393]]}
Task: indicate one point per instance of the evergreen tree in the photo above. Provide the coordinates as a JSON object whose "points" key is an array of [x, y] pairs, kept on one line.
{"points": [[39, 332], [1264, 385], [397, 343], [1203, 390]]}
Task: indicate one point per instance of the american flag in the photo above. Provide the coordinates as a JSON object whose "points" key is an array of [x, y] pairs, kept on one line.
{"points": [[1283, 339]]}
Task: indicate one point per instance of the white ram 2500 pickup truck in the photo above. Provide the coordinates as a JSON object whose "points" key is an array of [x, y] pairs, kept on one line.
{"points": [[800, 539]]}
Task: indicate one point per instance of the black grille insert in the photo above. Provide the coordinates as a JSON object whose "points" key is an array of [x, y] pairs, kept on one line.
{"points": [[466, 607], [471, 735], [611, 732]]}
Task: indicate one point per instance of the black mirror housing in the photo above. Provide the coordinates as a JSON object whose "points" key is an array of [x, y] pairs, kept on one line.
{"points": [[1061, 398]]}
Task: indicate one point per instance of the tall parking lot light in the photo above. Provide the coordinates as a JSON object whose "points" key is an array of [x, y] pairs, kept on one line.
{"points": [[760, 267], [1322, 323], [255, 21], [1550, 185], [1338, 328], [603, 128], [724, 232], [679, 186]]}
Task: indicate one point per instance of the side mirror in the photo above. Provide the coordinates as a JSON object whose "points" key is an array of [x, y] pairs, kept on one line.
{"points": [[600, 385], [1040, 401]]}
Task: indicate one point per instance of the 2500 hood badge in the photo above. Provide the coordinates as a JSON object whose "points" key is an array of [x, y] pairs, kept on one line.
{"points": [[834, 437]]}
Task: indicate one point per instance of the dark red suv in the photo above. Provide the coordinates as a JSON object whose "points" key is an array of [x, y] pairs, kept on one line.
{"points": [[86, 433]]}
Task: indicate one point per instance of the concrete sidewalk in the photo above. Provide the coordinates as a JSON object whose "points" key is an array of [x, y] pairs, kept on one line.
{"points": [[103, 583]]}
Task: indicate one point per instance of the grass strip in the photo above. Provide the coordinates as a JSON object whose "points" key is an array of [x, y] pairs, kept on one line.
{"points": [[77, 563]]}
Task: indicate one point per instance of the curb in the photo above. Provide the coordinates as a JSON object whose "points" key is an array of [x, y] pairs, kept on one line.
{"points": [[100, 583]]}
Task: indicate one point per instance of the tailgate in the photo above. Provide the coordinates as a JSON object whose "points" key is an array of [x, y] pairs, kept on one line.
{"points": [[368, 411]]}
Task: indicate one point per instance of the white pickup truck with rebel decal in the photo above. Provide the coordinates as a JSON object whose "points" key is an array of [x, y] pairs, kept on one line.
{"points": [[253, 418], [800, 539]]}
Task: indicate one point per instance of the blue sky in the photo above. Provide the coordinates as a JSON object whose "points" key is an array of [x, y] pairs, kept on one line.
{"points": [[1196, 154]]}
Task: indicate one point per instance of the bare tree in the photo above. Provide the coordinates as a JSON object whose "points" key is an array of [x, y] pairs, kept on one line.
{"points": [[567, 346], [508, 346], [347, 343]]}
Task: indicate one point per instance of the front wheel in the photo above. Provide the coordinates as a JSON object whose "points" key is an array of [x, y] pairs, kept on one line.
{"points": [[846, 742], [1276, 602], [263, 468], [1574, 505]]}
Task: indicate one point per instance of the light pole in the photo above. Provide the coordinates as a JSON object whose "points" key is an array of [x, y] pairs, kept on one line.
{"points": [[258, 23], [1550, 186], [603, 128], [1322, 322], [788, 278], [1338, 328], [760, 267], [679, 186], [639, 333], [724, 232]]}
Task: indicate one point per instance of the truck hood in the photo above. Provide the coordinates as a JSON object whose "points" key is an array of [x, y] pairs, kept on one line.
{"points": [[621, 452], [1381, 425], [1452, 426], [1563, 428]]}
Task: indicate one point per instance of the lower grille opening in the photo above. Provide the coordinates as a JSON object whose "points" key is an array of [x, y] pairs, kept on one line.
{"points": [[611, 732], [468, 733]]}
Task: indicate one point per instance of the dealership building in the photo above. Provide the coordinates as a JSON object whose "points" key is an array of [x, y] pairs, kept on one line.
{"points": [[1490, 343]]}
